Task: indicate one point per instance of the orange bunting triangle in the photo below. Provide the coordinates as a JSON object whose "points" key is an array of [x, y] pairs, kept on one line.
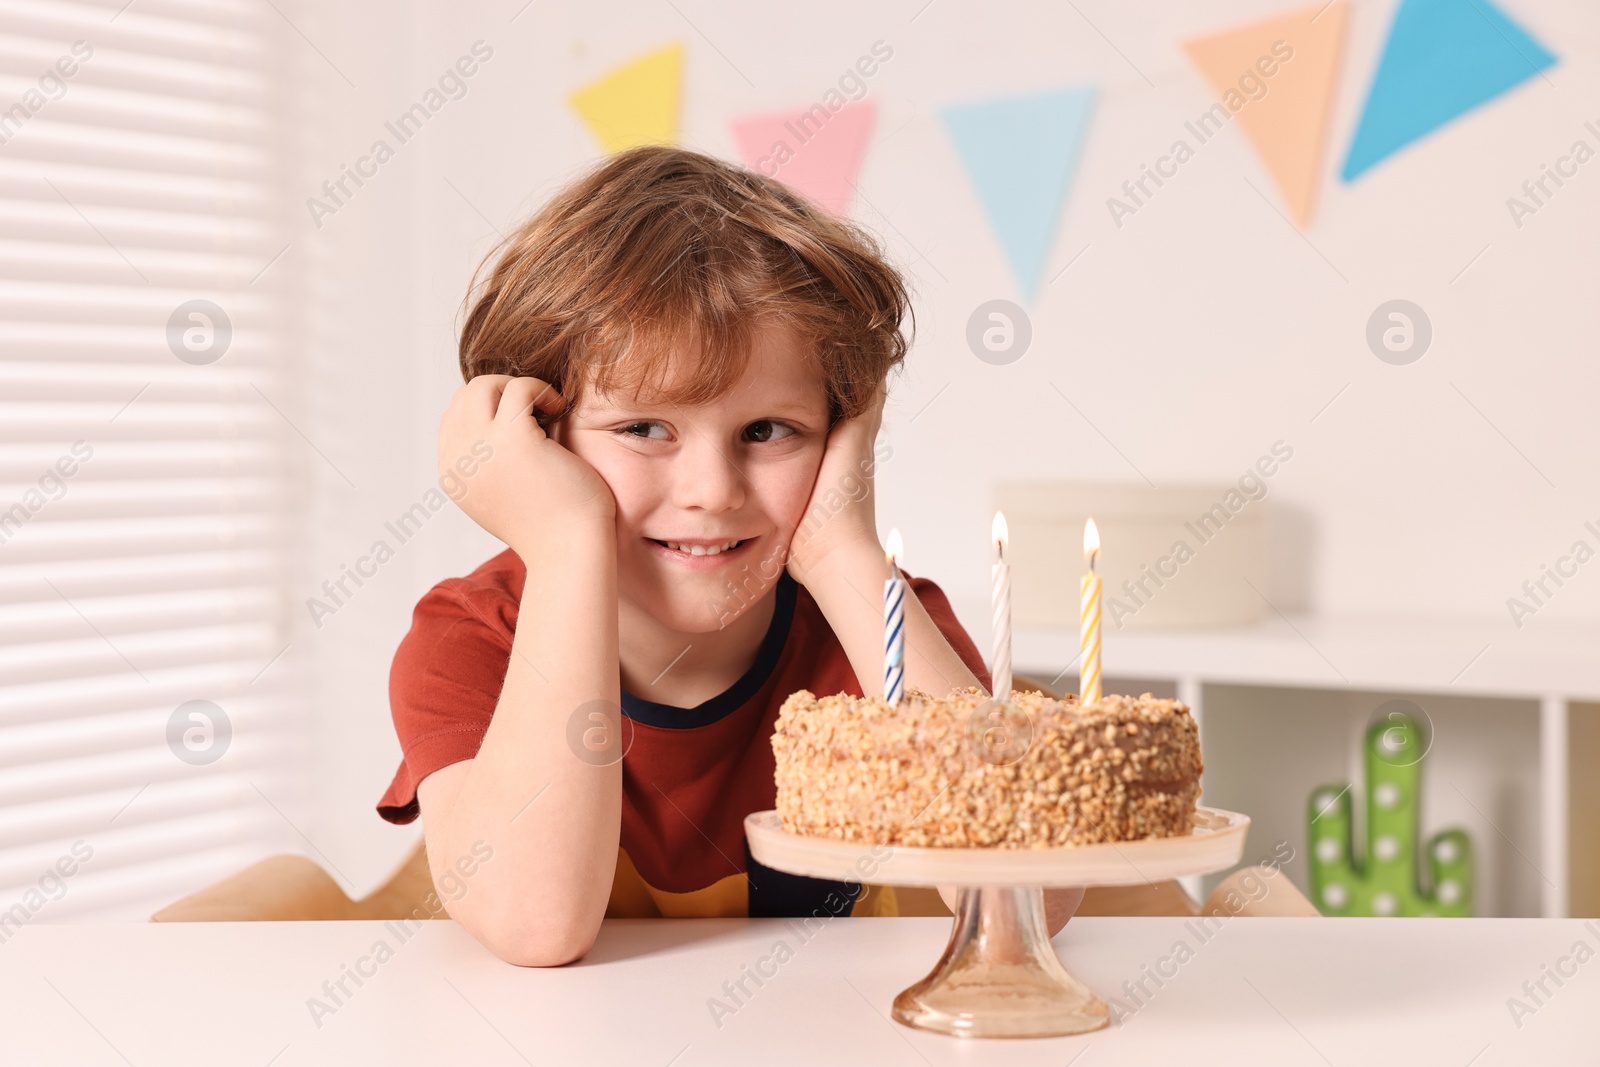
{"points": [[1277, 77]]}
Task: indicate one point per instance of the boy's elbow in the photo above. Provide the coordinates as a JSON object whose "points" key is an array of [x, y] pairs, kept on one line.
{"points": [[528, 946], [547, 953]]}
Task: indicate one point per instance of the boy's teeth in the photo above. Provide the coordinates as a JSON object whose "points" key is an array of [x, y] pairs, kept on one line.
{"points": [[701, 550]]}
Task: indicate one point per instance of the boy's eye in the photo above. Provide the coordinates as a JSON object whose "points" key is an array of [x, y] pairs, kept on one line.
{"points": [[767, 430], [653, 430]]}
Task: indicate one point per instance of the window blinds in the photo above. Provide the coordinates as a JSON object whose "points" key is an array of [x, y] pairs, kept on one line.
{"points": [[143, 443]]}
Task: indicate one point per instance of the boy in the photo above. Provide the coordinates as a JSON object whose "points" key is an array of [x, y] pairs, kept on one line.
{"points": [[675, 377]]}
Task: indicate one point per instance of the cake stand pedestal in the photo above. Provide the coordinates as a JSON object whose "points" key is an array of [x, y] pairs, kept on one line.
{"points": [[1000, 975]]}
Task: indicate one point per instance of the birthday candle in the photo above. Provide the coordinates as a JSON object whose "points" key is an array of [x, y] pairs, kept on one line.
{"points": [[1000, 665], [1089, 670], [894, 625]]}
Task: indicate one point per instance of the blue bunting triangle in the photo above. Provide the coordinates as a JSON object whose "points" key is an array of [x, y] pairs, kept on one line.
{"points": [[1021, 153], [1443, 58]]}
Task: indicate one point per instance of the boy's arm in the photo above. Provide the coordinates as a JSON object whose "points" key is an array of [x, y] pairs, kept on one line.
{"points": [[843, 567], [848, 587], [841, 591], [552, 817], [835, 554]]}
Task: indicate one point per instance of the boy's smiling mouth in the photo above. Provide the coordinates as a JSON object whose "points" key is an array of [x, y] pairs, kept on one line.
{"points": [[700, 553]]}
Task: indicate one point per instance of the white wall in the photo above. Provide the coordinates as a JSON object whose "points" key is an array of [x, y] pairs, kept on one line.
{"points": [[1198, 333]]}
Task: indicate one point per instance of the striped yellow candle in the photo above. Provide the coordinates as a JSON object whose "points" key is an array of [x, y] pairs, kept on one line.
{"points": [[1089, 663]]}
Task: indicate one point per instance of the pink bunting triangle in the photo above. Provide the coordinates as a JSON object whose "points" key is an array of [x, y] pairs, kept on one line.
{"points": [[815, 152]]}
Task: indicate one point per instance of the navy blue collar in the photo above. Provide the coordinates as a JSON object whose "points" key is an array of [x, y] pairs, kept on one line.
{"points": [[734, 697]]}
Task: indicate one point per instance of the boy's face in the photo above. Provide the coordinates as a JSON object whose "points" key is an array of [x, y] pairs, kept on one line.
{"points": [[737, 469]]}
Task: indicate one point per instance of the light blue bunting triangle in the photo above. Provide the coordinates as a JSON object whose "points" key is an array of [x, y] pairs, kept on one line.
{"points": [[1443, 58], [1020, 153]]}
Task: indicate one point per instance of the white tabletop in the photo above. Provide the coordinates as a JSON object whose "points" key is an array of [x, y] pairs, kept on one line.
{"points": [[1281, 991]]}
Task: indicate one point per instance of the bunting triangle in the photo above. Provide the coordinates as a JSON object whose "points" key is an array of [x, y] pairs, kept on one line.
{"points": [[1443, 58], [1285, 100], [1021, 153], [635, 104], [815, 152]]}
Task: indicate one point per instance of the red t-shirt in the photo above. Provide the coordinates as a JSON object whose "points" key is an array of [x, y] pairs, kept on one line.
{"points": [[689, 775]]}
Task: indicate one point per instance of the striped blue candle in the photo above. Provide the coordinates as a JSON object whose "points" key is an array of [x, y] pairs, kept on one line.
{"points": [[894, 626], [894, 640]]}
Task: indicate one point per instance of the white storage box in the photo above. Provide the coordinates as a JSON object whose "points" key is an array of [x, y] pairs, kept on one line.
{"points": [[1170, 557]]}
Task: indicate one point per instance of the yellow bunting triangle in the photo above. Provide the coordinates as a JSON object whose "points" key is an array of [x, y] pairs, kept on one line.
{"points": [[1284, 113], [635, 104]]}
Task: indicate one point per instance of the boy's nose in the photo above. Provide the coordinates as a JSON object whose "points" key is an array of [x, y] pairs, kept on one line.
{"points": [[707, 477]]}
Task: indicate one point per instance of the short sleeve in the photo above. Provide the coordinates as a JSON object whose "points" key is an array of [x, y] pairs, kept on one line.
{"points": [[445, 683], [937, 605]]}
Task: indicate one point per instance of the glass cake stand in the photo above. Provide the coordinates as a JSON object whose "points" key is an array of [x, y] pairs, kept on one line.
{"points": [[1000, 975]]}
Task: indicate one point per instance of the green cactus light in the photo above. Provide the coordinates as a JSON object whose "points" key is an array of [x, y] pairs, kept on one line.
{"points": [[1384, 880]]}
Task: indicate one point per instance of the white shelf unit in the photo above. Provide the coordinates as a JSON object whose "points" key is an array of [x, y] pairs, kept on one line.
{"points": [[1282, 704]]}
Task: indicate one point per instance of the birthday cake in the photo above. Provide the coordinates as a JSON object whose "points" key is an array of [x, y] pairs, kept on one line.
{"points": [[963, 772]]}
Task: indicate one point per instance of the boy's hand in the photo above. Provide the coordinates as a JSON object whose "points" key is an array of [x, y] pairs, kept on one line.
{"points": [[500, 466], [841, 511]]}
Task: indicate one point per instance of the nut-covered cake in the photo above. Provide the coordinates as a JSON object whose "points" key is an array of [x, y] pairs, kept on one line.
{"points": [[965, 772]]}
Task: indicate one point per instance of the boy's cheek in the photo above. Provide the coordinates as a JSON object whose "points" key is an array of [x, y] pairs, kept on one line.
{"points": [[591, 447], [797, 490]]}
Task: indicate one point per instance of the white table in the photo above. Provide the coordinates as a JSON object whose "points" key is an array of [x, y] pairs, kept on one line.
{"points": [[1360, 992]]}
